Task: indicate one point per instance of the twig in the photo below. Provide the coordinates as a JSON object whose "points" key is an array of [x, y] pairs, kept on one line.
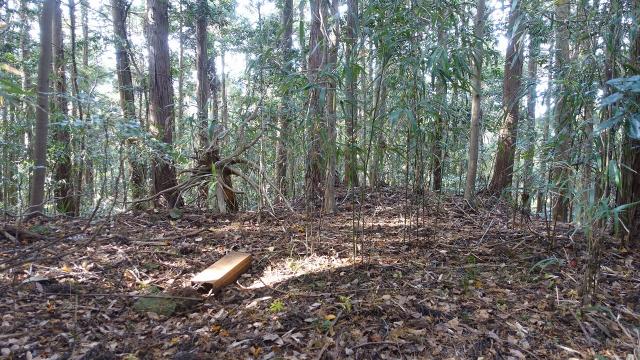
{"points": [[584, 331], [375, 343], [14, 335], [131, 295], [485, 232]]}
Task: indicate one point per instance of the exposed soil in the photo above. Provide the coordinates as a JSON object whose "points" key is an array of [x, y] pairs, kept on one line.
{"points": [[463, 284]]}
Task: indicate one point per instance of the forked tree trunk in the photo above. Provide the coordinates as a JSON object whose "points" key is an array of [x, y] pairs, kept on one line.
{"points": [[161, 98], [36, 201], [476, 102], [63, 172], [282, 151], [503, 168], [126, 91]]}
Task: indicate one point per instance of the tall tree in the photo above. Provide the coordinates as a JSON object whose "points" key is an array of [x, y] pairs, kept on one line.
{"points": [[562, 114], [476, 102], [88, 166], [202, 80], [532, 96], [437, 147], [77, 107], [126, 90], [332, 41], [503, 167], [630, 170], [313, 173], [63, 175], [351, 93], [285, 111], [36, 203], [27, 84], [161, 98]]}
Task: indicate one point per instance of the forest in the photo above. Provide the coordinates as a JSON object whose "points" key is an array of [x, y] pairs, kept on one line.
{"points": [[320, 179]]}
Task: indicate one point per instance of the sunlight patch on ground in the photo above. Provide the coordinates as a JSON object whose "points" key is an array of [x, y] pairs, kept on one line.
{"points": [[294, 267]]}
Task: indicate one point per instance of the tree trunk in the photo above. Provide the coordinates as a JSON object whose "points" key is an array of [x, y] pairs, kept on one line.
{"points": [[27, 85], [476, 102], [127, 96], [563, 121], [440, 123], [213, 88], [612, 39], [351, 94], [313, 174], [630, 167], [333, 40], [36, 203], [63, 175], [503, 168], [180, 66], [285, 111], [377, 129], [88, 177], [202, 80], [532, 96], [161, 98], [77, 109], [541, 201], [224, 118]]}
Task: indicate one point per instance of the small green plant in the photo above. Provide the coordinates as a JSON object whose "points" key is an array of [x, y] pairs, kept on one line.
{"points": [[345, 303], [276, 306]]}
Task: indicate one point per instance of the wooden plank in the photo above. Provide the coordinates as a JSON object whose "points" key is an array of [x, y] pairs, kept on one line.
{"points": [[224, 271]]}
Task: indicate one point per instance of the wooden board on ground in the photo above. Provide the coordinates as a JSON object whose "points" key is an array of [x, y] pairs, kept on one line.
{"points": [[224, 271]]}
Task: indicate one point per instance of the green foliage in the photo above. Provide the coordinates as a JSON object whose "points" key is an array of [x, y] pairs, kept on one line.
{"points": [[277, 306]]}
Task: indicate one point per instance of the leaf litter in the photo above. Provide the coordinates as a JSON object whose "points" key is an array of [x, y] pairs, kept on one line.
{"points": [[432, 278]]}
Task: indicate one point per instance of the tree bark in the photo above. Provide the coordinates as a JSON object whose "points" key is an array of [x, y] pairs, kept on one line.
{"points": [[532, 96], [127, 95], [77, 109], [541, 201], [351, 94], [503, 168], [36, 203], [333, 40], [285, 111], [630, 169], [202, 79], [377, 129], [437, 147], [313, 174], [161, 98], [180, 66], [476, 102], [84, 14], [63, 175], [563, 120], [27, 84]]}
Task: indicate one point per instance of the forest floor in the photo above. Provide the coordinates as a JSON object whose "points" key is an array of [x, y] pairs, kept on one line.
{"points": [[465, 284]]}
